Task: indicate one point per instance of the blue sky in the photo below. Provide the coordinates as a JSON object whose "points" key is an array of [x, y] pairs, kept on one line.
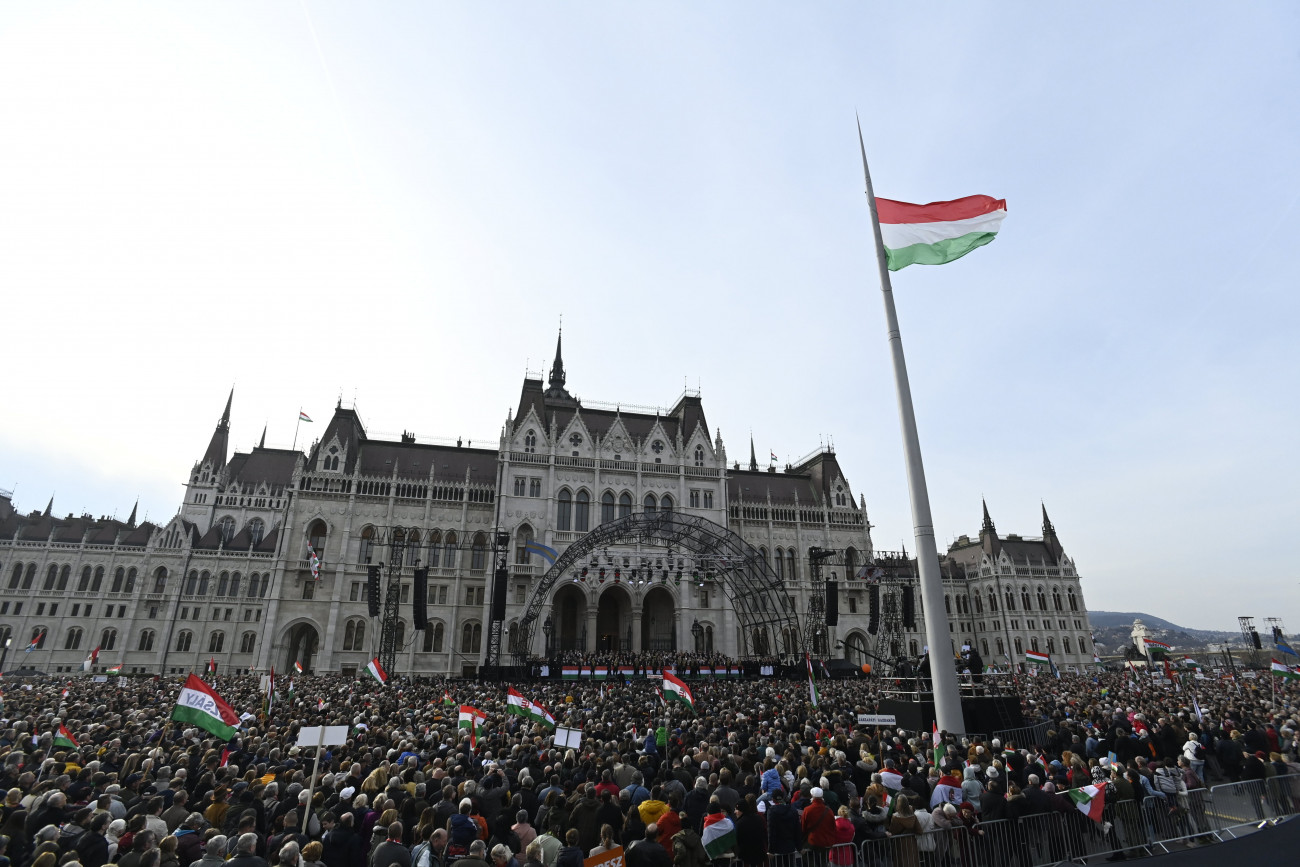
{"points": [[399, 201]]}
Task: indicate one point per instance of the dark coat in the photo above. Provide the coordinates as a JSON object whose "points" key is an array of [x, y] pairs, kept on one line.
{"points": [[784, 833]]}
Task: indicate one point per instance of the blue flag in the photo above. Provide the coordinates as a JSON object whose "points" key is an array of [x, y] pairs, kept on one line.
{"points": [[549, 554], [1282, 647]]}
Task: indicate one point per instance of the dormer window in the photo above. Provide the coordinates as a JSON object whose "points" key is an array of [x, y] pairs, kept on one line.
{"points": [[530, 442], [331, 461]]}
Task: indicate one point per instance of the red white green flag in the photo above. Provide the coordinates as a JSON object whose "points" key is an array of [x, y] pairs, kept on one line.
{"points": [[938, 232], [64, 738], [1281, 670], [377, 671], [1090, 800], [520, 706], [675, 690], [200, 705], [1036, 657]]}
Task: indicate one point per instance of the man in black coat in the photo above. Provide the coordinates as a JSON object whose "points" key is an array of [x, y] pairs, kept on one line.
{"points": [[391, 851], [784, 831], [648, 852]]}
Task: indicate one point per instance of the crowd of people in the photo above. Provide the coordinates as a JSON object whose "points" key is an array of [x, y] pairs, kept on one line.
{"points": [[96, 773]]}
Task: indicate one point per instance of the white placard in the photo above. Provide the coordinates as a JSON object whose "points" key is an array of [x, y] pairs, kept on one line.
{"points": [[310, 736], [877, 719], [99, 678], [569, 738], [121, 681]]}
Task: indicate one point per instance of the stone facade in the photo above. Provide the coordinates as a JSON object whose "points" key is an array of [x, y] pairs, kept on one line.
{"points": [[228, 579]]}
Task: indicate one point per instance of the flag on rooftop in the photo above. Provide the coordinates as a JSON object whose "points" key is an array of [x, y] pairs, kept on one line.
{"points": [[302, 416], [377, 671], [546, 552], [938, 232], [200, 705]]}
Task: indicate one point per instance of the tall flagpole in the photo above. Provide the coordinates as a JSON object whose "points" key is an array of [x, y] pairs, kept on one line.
{"points": [[947, 696], [295, 428]]}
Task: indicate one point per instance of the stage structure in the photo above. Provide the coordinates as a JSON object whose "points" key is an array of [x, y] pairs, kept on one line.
{"points": [[675, 547], [395, 540]]}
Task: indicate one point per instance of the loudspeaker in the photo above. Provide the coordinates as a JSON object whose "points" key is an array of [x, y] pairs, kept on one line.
{"points": [[372, 590], [909, 609], [1277, 634], [499, 593], [832, 603], [420, 599], [873, 607], [1254, 638]]}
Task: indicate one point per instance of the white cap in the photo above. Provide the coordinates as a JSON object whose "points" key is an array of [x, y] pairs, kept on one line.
{"points": [[817, 792]]}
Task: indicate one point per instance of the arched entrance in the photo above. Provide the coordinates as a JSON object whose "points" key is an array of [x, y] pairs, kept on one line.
{"points": [[704, 553], [614, 620], [856, 650], [658, 621], [568, 619], [303, 643]]}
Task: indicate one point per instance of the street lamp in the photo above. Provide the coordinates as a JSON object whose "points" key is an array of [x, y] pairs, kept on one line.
{"points": [[548, 627], [698, 631], [4, 654]]}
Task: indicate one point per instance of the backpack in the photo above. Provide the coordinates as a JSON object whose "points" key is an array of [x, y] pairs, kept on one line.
{"points": [[688, 851], [464, 830], [1199, 752]]}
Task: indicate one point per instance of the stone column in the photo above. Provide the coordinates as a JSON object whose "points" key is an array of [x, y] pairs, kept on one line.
{"points": [[636, 629]]}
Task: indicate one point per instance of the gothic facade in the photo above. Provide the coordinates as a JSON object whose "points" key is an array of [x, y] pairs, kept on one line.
{"points": [[229, 578]]}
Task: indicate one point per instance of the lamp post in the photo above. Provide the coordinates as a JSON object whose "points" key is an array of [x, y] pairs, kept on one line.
{"points": [[698, 631], [4, 654], [548, 627]]}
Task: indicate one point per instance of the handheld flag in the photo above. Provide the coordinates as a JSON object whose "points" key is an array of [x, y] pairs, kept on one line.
{"points": [[546, 552], [1281, 670], [315, 562], [199, 704], [676, 690], [1037, 658], [939, 232], [212, 665], [719, 835], [36, 640], [116, 669], [64, 738], [471, 718], [813, 697], [1090, 800], [377, 671], [518, 705], [446, 699], [297, 666], [90, 660]]}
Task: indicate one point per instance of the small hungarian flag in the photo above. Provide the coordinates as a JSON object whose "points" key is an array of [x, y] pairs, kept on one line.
{"points": [[297, 666], [302, 416], [212, 665], [36, 640], [1036, 657], [1090, 800], [446, 699], [471, 718], [520, 706], [64, 738], [677, 691], [116, 669], [90, 660], [812, 682], [225, 755], [377, 671], [939, 232], [1283, 671]]}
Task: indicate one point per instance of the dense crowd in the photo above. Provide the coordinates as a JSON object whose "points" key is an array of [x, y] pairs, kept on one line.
{"points": [[754, 773]]}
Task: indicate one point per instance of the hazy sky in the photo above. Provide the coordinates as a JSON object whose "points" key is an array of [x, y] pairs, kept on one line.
{"points": [[397, 202]]}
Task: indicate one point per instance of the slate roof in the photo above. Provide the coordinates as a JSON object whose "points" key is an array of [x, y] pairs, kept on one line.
{"points": [[273, 466]]}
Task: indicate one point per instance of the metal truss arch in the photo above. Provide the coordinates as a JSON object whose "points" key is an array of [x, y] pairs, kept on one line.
{"points": [[759, 598]]}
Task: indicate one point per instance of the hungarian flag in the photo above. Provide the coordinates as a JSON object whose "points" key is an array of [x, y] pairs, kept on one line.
{"points": [[212, 665], [90, 660], [377, 671], [302, 416], [939, 232], [64, 738], [719, 835], [446, 699], [1090, 800], [1281, 670], [520, 706], [675, 690], [1037, 658], [297, 666], [200, 705], [812, 681], [116, 669], [36, 640], [569, 672], [471, 718], [315, 562]]}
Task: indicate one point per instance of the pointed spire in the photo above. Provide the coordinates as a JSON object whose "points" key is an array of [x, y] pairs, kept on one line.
{"points": [[555, 385], [220, 444], [49, 508], [753, 458], [1048, 529], [262, 444], [131, 520], [988, 522]]}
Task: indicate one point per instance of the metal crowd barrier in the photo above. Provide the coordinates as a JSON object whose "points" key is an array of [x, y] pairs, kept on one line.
{"points": [[1026, 736]]}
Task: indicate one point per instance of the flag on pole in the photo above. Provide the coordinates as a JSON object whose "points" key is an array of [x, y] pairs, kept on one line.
{"points": [[939, 232], [302, 416], [64, 738], [446, 699], [1090, 800], [546, 552], [212, 665], [377, 671], [719, 835], [675, 690], [1281, 670], [199, 704], [934, 743], [270, 691], [36, 640], [775, 459], [1151, 642], [1282, 646], [520, 706], [315, 562], [471, 718], [1197, 708], [90, 660], [116, 669], [297, 666], [291, 692], [659, 692], [1037, 658], [812, 681]]}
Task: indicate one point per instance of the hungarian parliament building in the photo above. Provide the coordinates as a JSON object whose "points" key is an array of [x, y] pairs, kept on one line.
{"points": [[229, 579]]}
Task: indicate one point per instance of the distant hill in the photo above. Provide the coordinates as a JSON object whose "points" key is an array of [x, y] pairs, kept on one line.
{"points": [[1112, 630]]}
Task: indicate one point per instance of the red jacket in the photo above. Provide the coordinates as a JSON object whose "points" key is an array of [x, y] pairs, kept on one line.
{"points": [[818, 824]]}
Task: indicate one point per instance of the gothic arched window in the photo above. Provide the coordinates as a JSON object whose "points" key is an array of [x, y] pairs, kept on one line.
{"points": [[564, 510], [582, 512]]}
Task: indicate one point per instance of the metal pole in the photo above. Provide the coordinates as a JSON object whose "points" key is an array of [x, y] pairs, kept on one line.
{"points": [[947, 697]]}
